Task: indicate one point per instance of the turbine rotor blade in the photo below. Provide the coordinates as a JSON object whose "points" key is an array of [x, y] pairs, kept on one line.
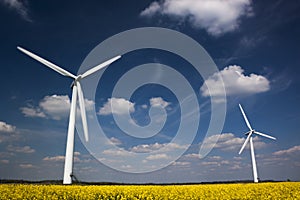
{"points": [[47, 63], [239, 73], [264, 135], [245, 117], [246, 141], [82, 111], [100, 66]]}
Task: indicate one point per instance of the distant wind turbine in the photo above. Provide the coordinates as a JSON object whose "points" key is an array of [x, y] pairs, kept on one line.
{"points": [[76, 91], [249, 138]]}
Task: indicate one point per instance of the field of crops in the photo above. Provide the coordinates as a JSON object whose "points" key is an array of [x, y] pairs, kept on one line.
{"points": [[287, 190]]}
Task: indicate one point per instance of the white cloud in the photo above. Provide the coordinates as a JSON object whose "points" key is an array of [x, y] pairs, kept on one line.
{"points": [[7, 128], [215, 163], [229, 142], [25, 149], [152, 9], [237, 158], [157, 156], [19, 6], [215, 157], [235, 82], [147, 148], [115, 141], [215, 16], [192, 155], [4, 161], [6, 154], [158, 102], [26, 166], [290, 151], [116, 152], [258, 144], [235, 167], [54, 158], [89, 104], [60, 158], [55, 106], [32, 112], [118, 106], [126, 166], [181, 163], [226, 141], [76, 153]]}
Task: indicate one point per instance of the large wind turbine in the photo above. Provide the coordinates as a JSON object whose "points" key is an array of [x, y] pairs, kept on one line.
{"points": [[76, 91], [249, 138]]}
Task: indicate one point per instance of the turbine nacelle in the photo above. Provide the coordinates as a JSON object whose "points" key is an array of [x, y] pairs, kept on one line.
{"points": [[78, 78], [247, 133]]}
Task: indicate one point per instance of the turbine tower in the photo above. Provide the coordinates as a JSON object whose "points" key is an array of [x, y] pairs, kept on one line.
{"points": [[250, 140], [76, 91]]}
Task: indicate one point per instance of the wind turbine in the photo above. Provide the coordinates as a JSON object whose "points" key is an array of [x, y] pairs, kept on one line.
{"points": [[76, 91], [249, 138]]}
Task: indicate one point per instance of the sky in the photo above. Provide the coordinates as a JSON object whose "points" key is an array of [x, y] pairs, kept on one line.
{"points": [[153, 115]]}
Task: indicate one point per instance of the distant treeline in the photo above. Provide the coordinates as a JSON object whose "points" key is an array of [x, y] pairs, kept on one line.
{"points": [[59, 182]]}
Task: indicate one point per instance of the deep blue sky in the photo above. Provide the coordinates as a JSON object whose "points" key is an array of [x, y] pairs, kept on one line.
{"points": [[259, 39]]}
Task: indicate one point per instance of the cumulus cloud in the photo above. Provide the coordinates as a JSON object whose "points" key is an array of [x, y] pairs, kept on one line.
{"points": [[234, 82], [115, 141], [178, 163], [89, 104], [55, 106], [290, 151], [116, 152], [26, 166], [118, 106], [225, 141], [121, 106], [229, 142], [16, 149], [215, 16], [4, 161], [192, 156], [20, 6], [61, 158], [215, 163], [54, 158], [154, 8], [8, 132], [215, 157], [32, 112], [157, 156], [147, 148], [158, 102], [7, 128]]}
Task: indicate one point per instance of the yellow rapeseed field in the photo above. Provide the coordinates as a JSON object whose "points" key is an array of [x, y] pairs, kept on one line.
{"points": [[281, 190]]}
